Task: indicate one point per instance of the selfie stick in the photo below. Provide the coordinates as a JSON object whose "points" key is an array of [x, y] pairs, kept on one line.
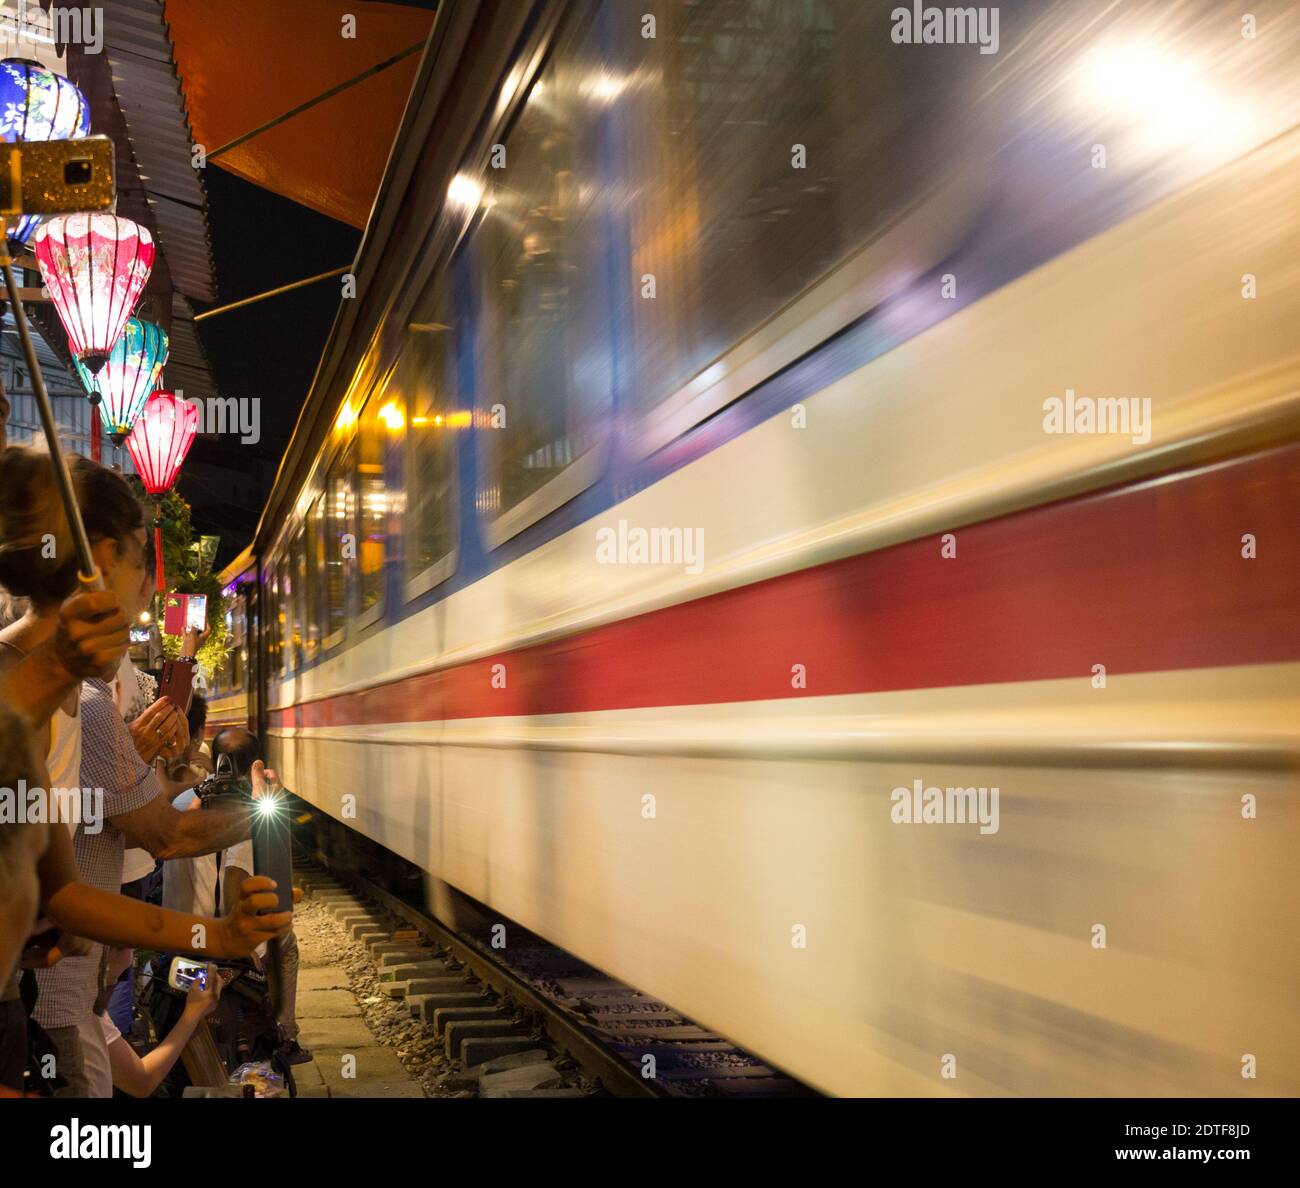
{"points": [[89, 575]]}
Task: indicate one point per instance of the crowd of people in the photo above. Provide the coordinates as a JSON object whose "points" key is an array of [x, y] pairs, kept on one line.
{"points": [[105, 848]]}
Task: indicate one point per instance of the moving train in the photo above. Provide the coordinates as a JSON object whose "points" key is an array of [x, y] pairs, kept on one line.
{"points": [[806, 519]]}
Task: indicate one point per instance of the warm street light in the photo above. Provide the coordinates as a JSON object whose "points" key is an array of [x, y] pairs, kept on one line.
{"points": [[158, 443]]}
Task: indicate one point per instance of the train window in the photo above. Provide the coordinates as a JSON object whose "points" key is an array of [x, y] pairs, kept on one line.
{"points": [[316, 597], [337, 513], [425, 378], [296, 598], [234, 675], [371, 502], [769, 142], [272, 632], [547, 362]]}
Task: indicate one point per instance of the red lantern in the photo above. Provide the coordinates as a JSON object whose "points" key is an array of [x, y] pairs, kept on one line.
{"points": [[158, 443], [95, 267]]}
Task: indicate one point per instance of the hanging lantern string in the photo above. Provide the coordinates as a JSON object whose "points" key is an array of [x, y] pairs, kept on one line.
{"points": [[159, 582]]}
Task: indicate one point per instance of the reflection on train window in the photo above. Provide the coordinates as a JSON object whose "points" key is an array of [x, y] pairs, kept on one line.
{"points": [[297, 585], [546, 313], [234, 666], [425, 379], [371, 499], [311, 582], [339, 525], [273, 617], [766, 141]]}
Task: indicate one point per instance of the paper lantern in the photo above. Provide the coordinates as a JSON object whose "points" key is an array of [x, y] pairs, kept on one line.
{"points": [[158, 443], [95, 267], [38, 104], [130, 374]]}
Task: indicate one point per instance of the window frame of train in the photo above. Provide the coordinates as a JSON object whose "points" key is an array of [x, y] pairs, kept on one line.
{"points": [[369, 449], [271, 628], [863, 261], [296, 601], [315, 617], [338, 484], [586, 405], [426, 393]]}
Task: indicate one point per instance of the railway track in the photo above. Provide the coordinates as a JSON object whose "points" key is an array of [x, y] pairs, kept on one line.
{"points": [[499, 996]]}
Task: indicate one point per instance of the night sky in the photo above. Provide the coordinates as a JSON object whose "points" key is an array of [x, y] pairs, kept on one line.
{"points": [[269, 350]]}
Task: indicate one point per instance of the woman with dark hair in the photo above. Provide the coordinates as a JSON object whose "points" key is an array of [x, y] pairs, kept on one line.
{"points": [[118, 800], [38, 562], [39, 874]]}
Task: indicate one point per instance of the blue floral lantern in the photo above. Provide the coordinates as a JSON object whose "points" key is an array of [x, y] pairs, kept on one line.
{"points": [[129, 376], [38, 104]]}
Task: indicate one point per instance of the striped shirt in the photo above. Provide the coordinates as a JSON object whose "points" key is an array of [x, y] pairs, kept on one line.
{"points": [[109, 764]]}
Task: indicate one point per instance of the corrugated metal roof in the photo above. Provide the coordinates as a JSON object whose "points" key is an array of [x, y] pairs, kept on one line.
{"points": [[139, 51], [187, 363]]}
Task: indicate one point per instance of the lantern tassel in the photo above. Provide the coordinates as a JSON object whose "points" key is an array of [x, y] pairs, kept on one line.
{"points": [[158, 550]]}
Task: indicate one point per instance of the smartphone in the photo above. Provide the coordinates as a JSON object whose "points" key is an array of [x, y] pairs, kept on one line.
{"points": [[271, 849], [196, 612], [185, 971], [177, 682], [49, 177]]}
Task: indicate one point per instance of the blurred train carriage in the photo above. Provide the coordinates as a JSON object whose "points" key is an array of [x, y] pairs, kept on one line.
{"points": [[759, 278]]}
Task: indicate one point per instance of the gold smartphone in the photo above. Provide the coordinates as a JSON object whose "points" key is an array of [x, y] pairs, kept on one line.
{"points": [[48, 177]]}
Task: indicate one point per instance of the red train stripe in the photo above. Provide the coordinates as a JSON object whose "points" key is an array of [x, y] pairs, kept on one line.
{"points": [[1142, 578]]}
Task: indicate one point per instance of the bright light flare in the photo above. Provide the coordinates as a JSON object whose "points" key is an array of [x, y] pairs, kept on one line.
{"points": [[1161, 100], [465, 192], [268, 804]]}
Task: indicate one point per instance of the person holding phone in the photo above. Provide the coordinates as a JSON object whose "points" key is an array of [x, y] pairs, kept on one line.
{"points": [[139, 1076], [38, 874]]}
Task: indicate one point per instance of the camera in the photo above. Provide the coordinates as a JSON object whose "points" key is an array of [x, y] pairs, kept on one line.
{"points": [[225, 782]]}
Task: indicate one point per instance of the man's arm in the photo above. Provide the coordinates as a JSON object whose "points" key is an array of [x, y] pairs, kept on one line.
{"points": [[167, 832], [133, 798], [116, 920]]}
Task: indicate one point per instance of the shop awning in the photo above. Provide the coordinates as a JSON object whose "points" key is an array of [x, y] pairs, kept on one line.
{"points": [[245, 62]]}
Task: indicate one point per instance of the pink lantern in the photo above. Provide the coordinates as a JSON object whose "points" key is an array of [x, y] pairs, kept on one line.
{"points": [[95, 267], [158, 443]]}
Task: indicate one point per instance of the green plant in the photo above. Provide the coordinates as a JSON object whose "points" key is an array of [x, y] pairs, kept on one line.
{"points": [[181, 576]]}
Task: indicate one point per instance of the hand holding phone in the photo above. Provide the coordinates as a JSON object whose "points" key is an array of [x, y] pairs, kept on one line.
{"points": [[185, 972], [177, 683]]}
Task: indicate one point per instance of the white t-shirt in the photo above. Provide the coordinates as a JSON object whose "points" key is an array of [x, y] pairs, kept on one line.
{"points": [[136, 863], [63, 762], [190, 884], [134, 692], [94, 1054]]}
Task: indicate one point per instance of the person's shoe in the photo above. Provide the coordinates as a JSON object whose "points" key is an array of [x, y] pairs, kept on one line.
{"points": [[291, 1053]]}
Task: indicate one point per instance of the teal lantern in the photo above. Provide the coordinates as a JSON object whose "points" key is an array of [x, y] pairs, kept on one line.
{"points": [[131, 373]]}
